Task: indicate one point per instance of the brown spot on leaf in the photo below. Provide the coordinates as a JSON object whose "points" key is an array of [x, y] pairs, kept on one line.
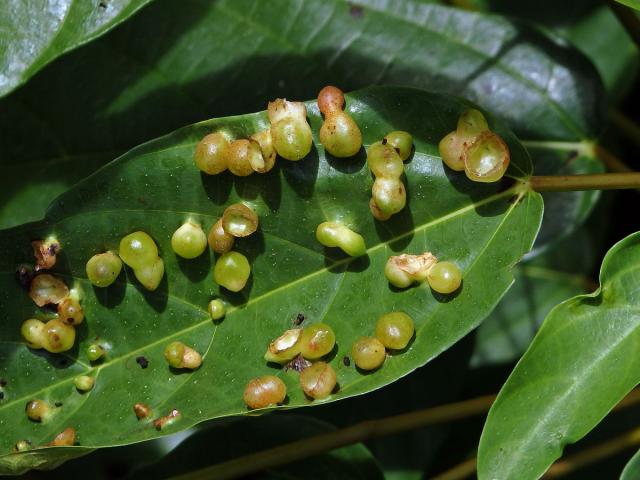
{"points": [[298, 364], [167, 420], [45, 253], [66, 438], [142, 361], [24, 275], [356, 11], [142, 410], [346, 361]]}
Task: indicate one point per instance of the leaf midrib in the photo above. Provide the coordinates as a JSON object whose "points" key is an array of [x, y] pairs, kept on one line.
{"points": [[207, 320]]}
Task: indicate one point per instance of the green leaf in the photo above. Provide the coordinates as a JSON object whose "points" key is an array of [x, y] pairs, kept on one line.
{"points": [[591, 26], [540, 284], [484, 228], [232, 56], [632, 469], [630, 3], [251, 435], [581, 363], [412, 453], [33, 34]]}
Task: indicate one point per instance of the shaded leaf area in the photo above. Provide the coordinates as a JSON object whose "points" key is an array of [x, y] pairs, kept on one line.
{"points": [[542, 283], [591, 26], [232, 439], [580, 364], [230, 57], [484, 228], [409, 454], [33, 32]]}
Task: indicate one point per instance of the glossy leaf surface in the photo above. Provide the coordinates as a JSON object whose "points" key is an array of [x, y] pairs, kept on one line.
{"points": [[484, 228], [581, 363], [33, 32], [134, 84]]}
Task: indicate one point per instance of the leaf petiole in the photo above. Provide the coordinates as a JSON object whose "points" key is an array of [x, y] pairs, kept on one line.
{"points": [[598, 181]]}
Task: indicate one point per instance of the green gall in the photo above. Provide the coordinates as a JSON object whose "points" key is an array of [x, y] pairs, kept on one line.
{"points": [[472, 123], [268, 159], [95, 352], [487, 158], [395, 330], [84, 383], [389, 194], [444, 277], [290, 132], [150, 275], [384, 161], [403, 270], [138, 250], [232, 271], [264, 391], [402, 143], [189, 240], [209, 155], [318, 380], [368, 353], [70, 311], [339, 134], [103, 269], [239, 156], [284, 348], [317, 340], [216, 309], [33, 332], [178, 355], [58, 336], [239, 220], [37, 410], [334, 234], [219, 240]]}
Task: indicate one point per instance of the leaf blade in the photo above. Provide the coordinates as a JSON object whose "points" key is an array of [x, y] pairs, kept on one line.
{"points": [[34, 36], [543, 88], [155, 187], [565, 399]]}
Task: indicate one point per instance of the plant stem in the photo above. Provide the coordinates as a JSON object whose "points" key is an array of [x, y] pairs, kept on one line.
{"points": [[460, 471], [627, 17], [328, 441], [598, 181], [627, 126], [361, 432]]}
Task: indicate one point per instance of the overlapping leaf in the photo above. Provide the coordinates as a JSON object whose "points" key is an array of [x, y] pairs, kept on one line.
{"points": [[180, 62], [484, 228], [33, 33], [581, 363]]}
